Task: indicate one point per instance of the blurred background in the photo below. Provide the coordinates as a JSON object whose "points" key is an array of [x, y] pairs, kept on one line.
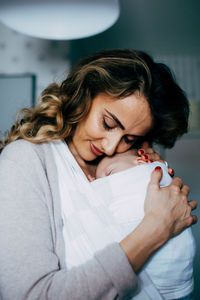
{"points": [[168, 30]]}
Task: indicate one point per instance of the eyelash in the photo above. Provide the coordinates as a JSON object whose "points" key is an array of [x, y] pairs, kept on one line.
{"points": [[107, 127], [129, 142]]}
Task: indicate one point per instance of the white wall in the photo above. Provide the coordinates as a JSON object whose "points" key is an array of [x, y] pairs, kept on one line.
{"points": [[48, 60]]}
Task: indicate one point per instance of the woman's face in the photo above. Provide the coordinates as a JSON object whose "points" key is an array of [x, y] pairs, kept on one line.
{"points": [[111, 126]]}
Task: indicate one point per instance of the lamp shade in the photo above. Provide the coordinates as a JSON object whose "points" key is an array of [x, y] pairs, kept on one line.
{"points": [[59, 19]]}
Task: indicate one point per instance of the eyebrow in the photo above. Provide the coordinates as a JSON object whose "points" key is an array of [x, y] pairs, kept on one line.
{"points": [[122, 126]]}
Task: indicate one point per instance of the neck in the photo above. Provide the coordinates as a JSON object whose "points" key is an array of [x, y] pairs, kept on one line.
{"points": [[88, 167]]}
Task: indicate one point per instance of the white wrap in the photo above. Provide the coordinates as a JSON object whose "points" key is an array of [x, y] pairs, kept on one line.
{"points": [[171, 267], [104, 211]]}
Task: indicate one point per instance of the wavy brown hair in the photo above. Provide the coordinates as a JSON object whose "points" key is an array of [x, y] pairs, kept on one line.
{"points": [[119, 73]]}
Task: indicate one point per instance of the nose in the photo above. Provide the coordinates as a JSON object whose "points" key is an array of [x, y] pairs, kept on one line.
{"points": [[110, 144]]}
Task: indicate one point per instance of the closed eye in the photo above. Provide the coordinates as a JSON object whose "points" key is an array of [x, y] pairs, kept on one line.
{"points": [[128, 140], [135, 141], [111, 122], [106, 126]]}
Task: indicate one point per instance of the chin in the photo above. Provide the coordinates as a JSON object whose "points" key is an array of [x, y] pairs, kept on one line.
{"points": [[95, 160], [87, 156]]}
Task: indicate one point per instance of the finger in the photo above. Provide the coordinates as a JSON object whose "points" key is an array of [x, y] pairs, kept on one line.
{"points": [[156, 176], [194, 219], [185, 189], [146, 151], [171, 172], [154, 156], [193, 204], [149, 151], [141, 151], [140, 161], [177, 181], [145, 157]]}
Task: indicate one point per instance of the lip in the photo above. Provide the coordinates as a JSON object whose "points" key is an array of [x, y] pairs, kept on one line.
{"points": [[95, 150]]}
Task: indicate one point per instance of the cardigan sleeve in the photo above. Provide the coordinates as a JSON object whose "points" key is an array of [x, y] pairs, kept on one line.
{"points": [[29, 264]]}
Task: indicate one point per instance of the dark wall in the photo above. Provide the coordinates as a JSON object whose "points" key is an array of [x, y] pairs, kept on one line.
{"points": [[156, 26]]}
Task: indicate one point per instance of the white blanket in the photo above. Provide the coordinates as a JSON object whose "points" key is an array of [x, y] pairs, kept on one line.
{"points": [[90, 220]]}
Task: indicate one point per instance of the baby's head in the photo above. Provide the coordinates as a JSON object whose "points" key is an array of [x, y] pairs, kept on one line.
{"points": [[116, 163]]}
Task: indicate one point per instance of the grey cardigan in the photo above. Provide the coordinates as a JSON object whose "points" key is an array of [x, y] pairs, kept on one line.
{"points": [[32, 264]]}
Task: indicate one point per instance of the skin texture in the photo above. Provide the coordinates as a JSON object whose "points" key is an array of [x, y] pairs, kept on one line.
{"points": [[102, 130]]}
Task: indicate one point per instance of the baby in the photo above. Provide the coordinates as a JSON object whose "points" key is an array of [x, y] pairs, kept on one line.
{"points": [[119, 162], [171, 267]]}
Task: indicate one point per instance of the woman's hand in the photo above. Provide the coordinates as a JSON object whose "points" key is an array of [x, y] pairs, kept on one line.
{"points": [[148, 155], [169, 205], [167, 213]]}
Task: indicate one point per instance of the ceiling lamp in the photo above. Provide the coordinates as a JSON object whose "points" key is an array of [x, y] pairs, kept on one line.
{"points": [[59, 19]]}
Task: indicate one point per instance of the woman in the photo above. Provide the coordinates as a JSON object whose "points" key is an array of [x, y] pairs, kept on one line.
{"points": [[110, 102]]}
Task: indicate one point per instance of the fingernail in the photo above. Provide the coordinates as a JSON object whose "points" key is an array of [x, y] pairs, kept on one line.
{"points": [[171, 171], [145, 156], [140, 151], [157, 168]]}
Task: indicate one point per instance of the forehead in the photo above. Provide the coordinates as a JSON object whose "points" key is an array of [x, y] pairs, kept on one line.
{"points": [[133, 111]]}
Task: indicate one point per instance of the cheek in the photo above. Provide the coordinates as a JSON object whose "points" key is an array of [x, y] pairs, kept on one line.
{"points": [[94, 131], [94, 127]]}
